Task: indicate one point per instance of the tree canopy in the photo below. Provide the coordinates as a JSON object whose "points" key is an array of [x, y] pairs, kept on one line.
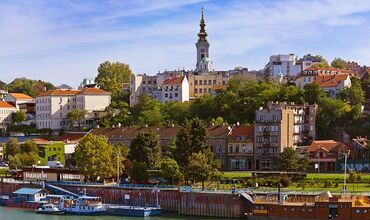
{"points": [[112, 76], [19, 116], [145, 148], [339, 63], [30, 87], [95, 157]]}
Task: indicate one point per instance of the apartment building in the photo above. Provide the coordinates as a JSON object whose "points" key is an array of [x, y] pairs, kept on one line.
{"points": [[240, 148], [281, 125], [53, 106], [6, 111], [310, 74], [175, 89]]}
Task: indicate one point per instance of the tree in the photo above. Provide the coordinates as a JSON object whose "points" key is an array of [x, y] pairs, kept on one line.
{"points": [[176, 112], [29, 147], [12, 147], [117, 113], [353, 94], [365, 83], [147, 111], [139, 171], [170, 170], [94, 157], [339, 63], [3, 85], [201, 166], [145, 148], [19, 116], [30, 87], [112, 76], [313, 93], [304, 163], [287, 160], [218, 121], [191, 138], [76, 115]]}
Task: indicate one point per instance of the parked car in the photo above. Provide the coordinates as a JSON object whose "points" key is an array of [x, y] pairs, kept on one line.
{"points": [[4, 164], [157, 180]]}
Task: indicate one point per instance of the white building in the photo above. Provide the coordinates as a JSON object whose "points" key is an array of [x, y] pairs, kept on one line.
{"points": [[6, 111], [286, 65], [19, 98], [175, 89], [333, 84], [53, 106]]}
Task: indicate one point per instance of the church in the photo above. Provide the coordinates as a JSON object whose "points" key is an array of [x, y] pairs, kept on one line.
{"points": [[181, 85]]}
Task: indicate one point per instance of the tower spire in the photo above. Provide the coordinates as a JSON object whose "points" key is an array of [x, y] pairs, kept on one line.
{"points": [[202, 32]]}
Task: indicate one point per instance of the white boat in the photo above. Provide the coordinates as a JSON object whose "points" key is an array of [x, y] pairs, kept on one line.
{"points": [[50, 209], [87, 205]]}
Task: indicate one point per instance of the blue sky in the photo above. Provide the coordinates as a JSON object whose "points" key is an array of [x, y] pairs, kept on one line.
{"points": [[65, 41]]}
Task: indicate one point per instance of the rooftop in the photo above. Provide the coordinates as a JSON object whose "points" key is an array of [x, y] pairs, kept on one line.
{"points": [[71, 137], [28, 191], [327, 145], [21, 96], [5, 105], [330, 80], [174, 81]]}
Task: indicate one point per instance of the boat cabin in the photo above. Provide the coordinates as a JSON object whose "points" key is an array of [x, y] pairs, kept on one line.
{"points": [[30, 195]]}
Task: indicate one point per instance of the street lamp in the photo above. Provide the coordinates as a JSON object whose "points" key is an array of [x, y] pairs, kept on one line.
{"points": [[345, 172]]}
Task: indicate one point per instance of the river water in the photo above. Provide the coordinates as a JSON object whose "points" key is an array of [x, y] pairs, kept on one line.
{"points": [[7, 213]]}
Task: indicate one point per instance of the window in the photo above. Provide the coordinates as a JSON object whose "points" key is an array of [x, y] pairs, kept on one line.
{"points": [[195, 82], [200, 82], [358, 211], [195, 90], [166, 95], [214, 82], [275, 117], [209, 82], [205, 82], [309, 210], [60, 107], [292, 209], [176, 94], [200, 90]]}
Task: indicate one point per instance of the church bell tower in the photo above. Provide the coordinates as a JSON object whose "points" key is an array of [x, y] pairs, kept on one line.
{"points": [[202, 45]]}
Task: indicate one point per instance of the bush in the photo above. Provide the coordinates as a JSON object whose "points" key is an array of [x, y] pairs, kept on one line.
{"points": [[284, 181], [328, 184]]}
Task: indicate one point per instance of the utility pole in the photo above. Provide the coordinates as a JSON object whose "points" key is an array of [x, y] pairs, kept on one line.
{"points": [[345, 173], [118, 182]]}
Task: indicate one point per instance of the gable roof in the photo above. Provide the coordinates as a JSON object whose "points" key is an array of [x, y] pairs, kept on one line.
{"points": [[6, 105], [327, 145], [59, 92], [93, 91], [174, 81], [21, 96], [330, 80], [242, 131], [71, 137]]}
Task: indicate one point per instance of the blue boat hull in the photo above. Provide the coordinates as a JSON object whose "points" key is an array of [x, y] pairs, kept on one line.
{"points": [[85, 213], [125, 211]]}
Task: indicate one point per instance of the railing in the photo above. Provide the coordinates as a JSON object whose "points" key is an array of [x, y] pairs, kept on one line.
{"points": [[75, 183], [146, 186]]}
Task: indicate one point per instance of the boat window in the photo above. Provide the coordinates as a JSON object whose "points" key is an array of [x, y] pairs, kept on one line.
{"points": [[257, 207], [262, 207], [310, 210], [285, 209], [292, 209], [303, 209], [365, 211], [358, 211]]}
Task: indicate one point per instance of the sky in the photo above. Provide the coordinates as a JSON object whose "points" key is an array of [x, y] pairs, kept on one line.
{"points": [[65, 41]]}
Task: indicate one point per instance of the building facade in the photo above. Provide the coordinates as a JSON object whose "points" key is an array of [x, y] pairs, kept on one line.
{"points": [[240, 148], [333, 84], [53, 106], [281, 125], [175, 89], [6, 111]]}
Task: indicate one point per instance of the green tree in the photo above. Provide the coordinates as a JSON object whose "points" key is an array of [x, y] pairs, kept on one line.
{"points": [[76, 115], [331, 114], [94, 157], [313, 93], [145, 148], [30, 87], [291, 94], [365, 84], [218, 121], [117, 113], [28, 147], [19, 116], [12, 147], [112, 76], [353, 94], [304, 163], [202, 167], [3, 85], [147, 112], [176, 112], [339, 63], [191, 138], [170, 170], [139, 171], [287, 160]]}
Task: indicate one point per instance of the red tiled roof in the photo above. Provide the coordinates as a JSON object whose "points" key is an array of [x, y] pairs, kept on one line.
{"points": [[327, 145], [71, 137], [40, 141], [20, 96], [240, 131], [219, 87], [330, 80], [59, 92], [174, 81], [93, 91], [5, 105], [333, 71]]}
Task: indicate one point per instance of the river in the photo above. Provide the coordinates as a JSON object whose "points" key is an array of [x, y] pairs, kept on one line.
{"points": [[7, 213]]}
